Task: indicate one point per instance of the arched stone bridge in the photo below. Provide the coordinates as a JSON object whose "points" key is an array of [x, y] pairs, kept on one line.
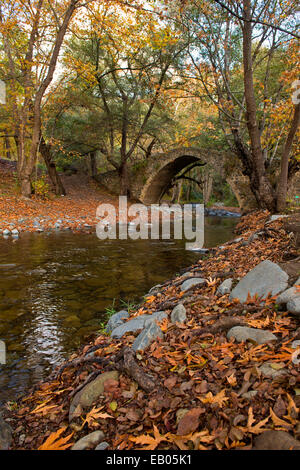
{"points": [[149, 178]]}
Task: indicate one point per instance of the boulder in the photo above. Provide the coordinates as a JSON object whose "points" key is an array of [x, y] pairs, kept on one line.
{"points": [[293, 306], [5, 435], [89, 394], [178, 314], [266, 278], [116, 320], [225, 287], [147, 336], [189, 283], [91, 440], [276, 440], [244, 333]]}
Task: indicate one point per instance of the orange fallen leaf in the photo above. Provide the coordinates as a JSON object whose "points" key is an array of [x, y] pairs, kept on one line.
{"points": [[54, 442]]}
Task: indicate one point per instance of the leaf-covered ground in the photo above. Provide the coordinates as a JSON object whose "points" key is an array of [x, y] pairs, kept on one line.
{"points": [[200, 376], [75, 209]]}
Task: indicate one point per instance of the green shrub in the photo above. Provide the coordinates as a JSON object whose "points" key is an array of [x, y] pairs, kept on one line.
{"points": [[41, 187]]}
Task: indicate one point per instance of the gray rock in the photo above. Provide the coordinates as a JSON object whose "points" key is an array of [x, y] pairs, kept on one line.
{"points": [[156, 316], [249, 395], [225, 287], [293, 306], [6, 232], [267, 277], [131, 326], [116, 320], [244, 333], [297, 283], [276, 440], [276, 217], [91, 440], [203, 251], [147, 336], [15, 232], [178, 314], [287, 295], [268, 371], [86, 396], [103, 446], [136, 324], [5, 435], [295, 344], [189, 283]]}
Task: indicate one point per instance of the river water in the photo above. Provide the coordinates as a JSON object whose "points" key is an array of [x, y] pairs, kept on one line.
{"points": [[55, 288]]}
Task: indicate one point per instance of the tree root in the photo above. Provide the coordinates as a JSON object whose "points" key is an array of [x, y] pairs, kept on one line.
{"points": [[127, 363], [222, 325]]}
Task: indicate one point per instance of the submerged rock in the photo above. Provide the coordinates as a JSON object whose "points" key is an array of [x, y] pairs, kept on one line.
{"points": [[244, 333], [266, 278]]}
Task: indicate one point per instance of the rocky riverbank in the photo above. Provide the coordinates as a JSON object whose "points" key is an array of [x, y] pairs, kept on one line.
{"points": [[210, 360]]}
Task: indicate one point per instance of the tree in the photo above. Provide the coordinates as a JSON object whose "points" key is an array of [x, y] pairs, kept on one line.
{"points": [[122, 64], [233, 42], [32, 35]]}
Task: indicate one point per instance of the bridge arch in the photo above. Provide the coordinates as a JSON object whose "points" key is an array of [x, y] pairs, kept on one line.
{"points": [[150, 177], [150, 182]]}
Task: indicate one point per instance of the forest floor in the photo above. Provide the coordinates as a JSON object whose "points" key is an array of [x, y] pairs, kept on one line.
{"points": [[194, 388], [74, 210]]}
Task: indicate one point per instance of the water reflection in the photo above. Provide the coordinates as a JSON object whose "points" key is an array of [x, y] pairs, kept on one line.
{"points": [[54, 289]]}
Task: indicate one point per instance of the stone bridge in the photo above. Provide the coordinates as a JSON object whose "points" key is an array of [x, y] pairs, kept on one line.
{"points": [[150, 178]]}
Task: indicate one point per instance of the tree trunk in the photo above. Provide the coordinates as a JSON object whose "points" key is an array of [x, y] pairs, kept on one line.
{"points": [[92, 165], [7, 147], [283, 177], [259, 181], [51, 167], [124, 180]]}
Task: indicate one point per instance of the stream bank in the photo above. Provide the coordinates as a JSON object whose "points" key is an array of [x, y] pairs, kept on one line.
{"points": [[199, 383]]}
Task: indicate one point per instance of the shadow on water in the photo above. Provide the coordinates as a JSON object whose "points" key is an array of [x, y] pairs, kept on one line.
{"points": [[54, 289]]}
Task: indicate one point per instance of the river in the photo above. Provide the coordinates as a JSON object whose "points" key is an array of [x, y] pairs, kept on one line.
{"points": [[55, 289]]}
